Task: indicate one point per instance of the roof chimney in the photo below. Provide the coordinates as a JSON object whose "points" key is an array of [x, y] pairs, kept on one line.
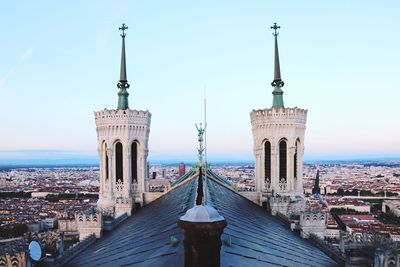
{"points": [[202, 227]]}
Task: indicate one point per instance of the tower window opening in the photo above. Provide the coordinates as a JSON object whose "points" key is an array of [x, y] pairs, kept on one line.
{"points": [[282, 160], [119, 174], [295, 161], [134, 159], [106, 166], [106, 160], [267, 160]]}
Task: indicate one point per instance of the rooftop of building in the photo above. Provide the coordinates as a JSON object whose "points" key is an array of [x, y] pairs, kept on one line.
{"points": [[251, 238], [12, 246]]}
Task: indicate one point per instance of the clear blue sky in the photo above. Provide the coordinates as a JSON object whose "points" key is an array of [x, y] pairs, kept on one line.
{"points": [[60, 62]]}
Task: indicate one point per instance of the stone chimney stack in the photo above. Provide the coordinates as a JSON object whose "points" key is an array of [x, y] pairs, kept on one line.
{"points": [[202, 227]]}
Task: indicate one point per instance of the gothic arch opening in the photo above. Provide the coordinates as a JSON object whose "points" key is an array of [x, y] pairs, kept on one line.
{"points": [[119, 165], [14, 262], [296, 158], [105, 159], [391, 261], [267, 161], [134, 161], [283, 160]]}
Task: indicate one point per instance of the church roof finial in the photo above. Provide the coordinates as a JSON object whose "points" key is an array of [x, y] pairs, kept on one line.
{"points": [[123, 84], [277, 83]]}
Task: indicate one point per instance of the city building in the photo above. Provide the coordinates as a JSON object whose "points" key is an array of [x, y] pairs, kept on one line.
{"points": [[182, 169], [392, 206], [13, 252], [347, 203]]}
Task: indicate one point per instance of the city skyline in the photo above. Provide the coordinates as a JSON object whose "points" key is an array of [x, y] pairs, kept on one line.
{"points": [[56, 71]]}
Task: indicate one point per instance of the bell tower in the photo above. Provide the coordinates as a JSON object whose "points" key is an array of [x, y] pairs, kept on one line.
{"points": [[122, 136], [278, 143]]}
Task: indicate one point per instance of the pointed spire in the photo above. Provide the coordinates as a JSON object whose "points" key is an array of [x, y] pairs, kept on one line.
{"points": [[123, 84], [277, 83], [316, 189]]}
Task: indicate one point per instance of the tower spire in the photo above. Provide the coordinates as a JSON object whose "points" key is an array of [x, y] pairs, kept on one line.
{"points": [[316, 189], [123, 84], [277, 83]]}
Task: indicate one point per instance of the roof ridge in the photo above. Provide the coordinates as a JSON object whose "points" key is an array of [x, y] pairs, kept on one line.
{"points": [[231, 189]]}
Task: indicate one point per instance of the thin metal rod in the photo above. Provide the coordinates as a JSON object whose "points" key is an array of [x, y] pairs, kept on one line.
{"points": [[205, 144]]}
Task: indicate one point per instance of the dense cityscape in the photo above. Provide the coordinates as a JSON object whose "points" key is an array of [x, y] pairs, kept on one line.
{"points": [[128, 207], [361, 197]]}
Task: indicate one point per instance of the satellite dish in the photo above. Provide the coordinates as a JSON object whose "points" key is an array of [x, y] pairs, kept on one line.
{"points": [[35, 251]]}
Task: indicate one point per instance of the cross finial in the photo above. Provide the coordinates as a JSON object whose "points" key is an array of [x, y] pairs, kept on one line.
{"points": [[123, 28], [275, 27]]}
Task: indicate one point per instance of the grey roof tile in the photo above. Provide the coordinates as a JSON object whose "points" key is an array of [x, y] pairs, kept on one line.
{"points": [[257, 238]]}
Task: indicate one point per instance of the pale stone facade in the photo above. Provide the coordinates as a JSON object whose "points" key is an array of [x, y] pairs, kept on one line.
{"points": [[122, 136], [313, 222], [13, 252], [275, 126], [67, 225], [89, 222], [129, 128], [391, 206], [278, 146]]}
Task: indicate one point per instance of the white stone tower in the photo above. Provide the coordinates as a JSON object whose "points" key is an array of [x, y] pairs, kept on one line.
{"points": [[122, 136], [278, 136]]}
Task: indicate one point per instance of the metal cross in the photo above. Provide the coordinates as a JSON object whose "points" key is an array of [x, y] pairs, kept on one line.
{"points": [[123, 28], [275, 27]]}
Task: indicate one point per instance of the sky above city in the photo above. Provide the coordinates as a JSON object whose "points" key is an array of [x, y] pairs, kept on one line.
{"points": [[60, 63]]}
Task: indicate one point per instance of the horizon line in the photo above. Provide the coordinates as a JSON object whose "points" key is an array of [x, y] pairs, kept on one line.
{"points": [[94, 163]]}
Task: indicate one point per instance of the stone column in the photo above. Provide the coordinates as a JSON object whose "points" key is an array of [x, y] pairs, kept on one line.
{"points": [[300, 153], [290, 169], [274, 168], [141, 171], [110, 171], [101, 169], [127, 162], [258, 169]]}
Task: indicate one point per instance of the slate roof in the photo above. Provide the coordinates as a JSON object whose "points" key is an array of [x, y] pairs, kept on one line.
{"points": [[144, 238], [12, 246], [183, 177], [256, 238]]}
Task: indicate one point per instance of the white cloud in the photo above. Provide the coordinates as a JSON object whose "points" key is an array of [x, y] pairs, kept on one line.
{"points": [[23, 58], [5, 77], [26, 55]]}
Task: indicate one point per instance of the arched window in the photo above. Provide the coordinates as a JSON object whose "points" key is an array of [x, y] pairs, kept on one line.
{"points": [[106, 160], [295, 159], [267, 160], [119, 165], [282, 160], [391, 261], [134, 159]]}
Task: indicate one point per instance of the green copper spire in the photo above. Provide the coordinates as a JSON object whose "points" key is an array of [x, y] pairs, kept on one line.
{"points": [[277, 83], [123, 84]]}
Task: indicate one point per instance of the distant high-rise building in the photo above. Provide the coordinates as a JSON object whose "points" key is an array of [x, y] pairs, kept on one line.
{"points": [[122, 136], [182, 169], [163, 173]]}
